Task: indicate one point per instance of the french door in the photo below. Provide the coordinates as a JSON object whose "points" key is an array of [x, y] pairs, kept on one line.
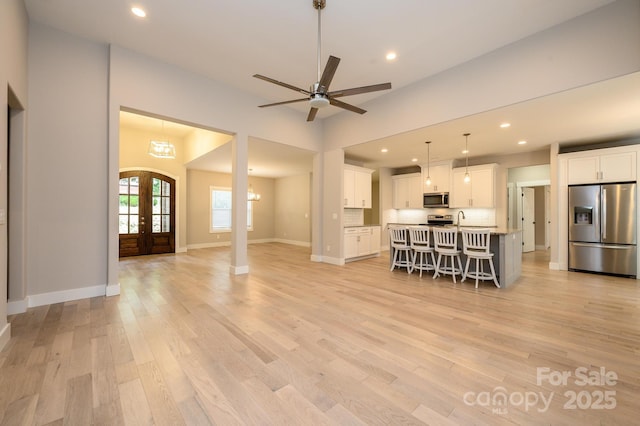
{"points": [[146, 213]]}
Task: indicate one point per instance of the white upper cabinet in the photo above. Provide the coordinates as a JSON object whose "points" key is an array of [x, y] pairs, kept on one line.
{"points": [[479, 192], [407, 191], [605, 165], [357, 187], [440, 174]]}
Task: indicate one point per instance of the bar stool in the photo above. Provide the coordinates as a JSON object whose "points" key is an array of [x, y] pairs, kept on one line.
{"points": [[446, 245], [398, 236], [475, 245], [422, 249]]}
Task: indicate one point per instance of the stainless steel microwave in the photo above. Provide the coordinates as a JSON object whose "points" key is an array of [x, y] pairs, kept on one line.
{"points": [[435, 199]]}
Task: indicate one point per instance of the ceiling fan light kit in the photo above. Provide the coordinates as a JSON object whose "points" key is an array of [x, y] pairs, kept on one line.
{"points": [[319, 95]]}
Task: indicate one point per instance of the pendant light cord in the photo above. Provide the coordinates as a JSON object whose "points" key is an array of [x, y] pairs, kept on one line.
{"points": [[319, 41], [466, 148]]}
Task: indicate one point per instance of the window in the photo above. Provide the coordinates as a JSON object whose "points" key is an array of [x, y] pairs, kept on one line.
{"points": [[221, 210], [129, 205]]}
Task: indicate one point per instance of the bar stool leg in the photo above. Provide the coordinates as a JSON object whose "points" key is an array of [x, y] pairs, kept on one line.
{"points": [[437, 273], [493, 272]]}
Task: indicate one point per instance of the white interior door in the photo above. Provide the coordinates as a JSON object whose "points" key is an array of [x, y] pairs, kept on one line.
{"points": [[511, 206], [547, 216], [528, 220]]}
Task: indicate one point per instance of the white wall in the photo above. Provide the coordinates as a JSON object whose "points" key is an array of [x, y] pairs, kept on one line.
{"points": [[67, 208], [293, 209], [13, 75], [198, 209]]}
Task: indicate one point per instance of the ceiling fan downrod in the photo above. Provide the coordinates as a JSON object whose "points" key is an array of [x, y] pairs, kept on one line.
{"points": [[319, 5]]}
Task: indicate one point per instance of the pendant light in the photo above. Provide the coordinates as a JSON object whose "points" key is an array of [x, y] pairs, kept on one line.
{"points": [[162, 148], [428, 182], [467, 178]]}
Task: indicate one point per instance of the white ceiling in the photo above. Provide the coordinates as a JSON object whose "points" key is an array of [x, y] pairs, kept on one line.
{"points": [[230, 40]]}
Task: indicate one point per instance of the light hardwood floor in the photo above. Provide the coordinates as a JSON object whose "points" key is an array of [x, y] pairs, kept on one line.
{"points": [[296, 342]]}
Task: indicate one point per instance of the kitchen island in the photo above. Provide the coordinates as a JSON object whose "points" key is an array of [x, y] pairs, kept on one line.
{"points": [[506, 246]]}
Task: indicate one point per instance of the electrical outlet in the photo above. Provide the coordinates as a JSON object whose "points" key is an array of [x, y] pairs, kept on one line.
{"points": [[328, 248]]}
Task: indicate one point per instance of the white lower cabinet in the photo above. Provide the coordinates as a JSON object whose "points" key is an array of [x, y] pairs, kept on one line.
{"points": [[361, 241]]}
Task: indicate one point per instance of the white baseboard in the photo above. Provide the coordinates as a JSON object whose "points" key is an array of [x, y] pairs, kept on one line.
{"points": [[554, 266], [5, 335], [333, 260], [17, 306], [66, 295], [208, 245], [239, 270], [260, 241], [316, 258], [181, 249], [113, 290], [293, 242], [21, 306]]}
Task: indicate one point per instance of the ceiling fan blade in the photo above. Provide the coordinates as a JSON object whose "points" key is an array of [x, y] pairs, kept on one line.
{"points": [[329, 72], [312, 114], [279, 83], [284, 102], [359, 90], [344, 105]]}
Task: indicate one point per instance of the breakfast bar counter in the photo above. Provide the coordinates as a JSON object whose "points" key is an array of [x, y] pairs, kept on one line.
{"points": [[506, 244]]}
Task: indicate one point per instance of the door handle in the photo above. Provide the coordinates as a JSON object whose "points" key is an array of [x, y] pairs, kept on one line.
{"points": [[604, 214]]}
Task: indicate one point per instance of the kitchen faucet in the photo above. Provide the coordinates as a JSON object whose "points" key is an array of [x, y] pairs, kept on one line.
{"points": [[460, 213]]}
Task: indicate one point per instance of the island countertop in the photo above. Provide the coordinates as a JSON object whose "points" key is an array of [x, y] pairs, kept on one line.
{"points": [[495, 230], [506, 246]]}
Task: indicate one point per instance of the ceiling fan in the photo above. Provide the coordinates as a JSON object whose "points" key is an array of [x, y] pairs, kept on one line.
{"points": [[319, 95]]}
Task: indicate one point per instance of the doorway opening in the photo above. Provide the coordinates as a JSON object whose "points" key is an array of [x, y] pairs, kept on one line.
{"points": [[147, 216], [528, 195]]}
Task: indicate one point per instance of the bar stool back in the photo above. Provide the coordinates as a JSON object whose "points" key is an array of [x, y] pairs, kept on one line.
{"points": [[445, 242], [398, 235], [422, 249], [476, 245]]}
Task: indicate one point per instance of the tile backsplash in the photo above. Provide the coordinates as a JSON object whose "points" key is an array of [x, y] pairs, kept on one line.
{"points": [[353, 217], [474, 217]]}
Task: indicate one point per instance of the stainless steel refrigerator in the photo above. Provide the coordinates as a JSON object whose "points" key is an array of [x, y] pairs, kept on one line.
{"points": [[602, 228]]}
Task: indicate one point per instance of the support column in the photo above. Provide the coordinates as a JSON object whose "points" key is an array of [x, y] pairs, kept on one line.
{"points": [[332, 207], [316, 208], [239, 190]]}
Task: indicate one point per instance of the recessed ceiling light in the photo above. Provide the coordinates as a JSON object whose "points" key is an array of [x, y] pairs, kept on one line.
{"points": [[465, 151], [138, 12], [505, 125], [522, 142], [414, 160], [384, 150], [391, 56]]}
